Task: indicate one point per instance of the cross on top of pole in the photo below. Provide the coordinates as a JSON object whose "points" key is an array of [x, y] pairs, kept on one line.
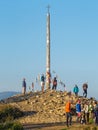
{"points": [[48, 7]]}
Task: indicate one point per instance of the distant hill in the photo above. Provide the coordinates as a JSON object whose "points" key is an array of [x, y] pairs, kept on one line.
{"points": [[4, 95]]}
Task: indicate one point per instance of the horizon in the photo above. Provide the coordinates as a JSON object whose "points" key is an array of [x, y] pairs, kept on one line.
{"points": [[74, 43]]}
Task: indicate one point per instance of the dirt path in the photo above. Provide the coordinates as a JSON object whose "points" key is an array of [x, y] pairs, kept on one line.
{"points": [[45, 126], [56, 126]]}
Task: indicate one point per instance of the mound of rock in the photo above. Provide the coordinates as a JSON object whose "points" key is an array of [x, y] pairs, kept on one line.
{"points": [[44, 107]]}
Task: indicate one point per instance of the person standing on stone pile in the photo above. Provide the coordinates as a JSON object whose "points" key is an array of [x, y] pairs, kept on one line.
{"points": [[42, 82], [64, 87], [68, 113], [76, 90], [24, 86], [54, 83], [96, 113], [85, 109], [96, 116], [32, 87], [95, 106], [83, 119], [91, 111], [78, 110], [85, 87]]}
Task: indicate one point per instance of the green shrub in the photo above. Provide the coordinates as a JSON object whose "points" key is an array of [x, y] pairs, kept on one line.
{"points": [[17, 126], [94, 128], [1, 127], [11, 126], [9, 114], [6, 126], [87, 128], [91, 121]]}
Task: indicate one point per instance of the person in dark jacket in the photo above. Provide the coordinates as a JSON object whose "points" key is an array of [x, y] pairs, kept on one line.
{"points": [[85, 87], [54, 83], [42, 82], [24, 86], [96, 114]]}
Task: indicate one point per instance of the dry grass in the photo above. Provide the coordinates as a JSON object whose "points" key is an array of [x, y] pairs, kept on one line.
{"points": [[3, 106]]}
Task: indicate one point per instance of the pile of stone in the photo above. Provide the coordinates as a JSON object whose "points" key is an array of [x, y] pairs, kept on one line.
{"points": [[44, 107]]}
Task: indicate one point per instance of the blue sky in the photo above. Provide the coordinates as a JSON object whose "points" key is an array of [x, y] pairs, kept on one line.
{"points": [[74, 42]]}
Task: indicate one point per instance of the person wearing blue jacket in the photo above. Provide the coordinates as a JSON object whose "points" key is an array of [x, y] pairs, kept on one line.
{"points": [[76, 90], [78, 110]]}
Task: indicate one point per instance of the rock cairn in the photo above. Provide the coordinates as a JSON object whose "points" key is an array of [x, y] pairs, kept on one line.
{"points": [[44, 107]]}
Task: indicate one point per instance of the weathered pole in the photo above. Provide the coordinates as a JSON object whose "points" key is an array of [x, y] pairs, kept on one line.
{"points": [[48, 75]]}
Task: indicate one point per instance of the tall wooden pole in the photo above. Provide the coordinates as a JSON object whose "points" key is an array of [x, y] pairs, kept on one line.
{"points": [[48, 75]]}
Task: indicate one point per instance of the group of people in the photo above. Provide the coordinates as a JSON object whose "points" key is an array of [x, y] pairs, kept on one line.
{"points": [[42, 83], [76, 90], [86, 112], [54, 83]]}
